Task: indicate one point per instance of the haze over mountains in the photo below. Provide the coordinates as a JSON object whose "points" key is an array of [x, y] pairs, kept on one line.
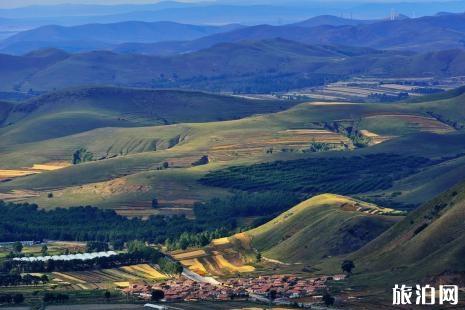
{"points": [[278, 12], [426, 33], [232, 58], [260, 66], [301, 134], [105, 36], [420, 34]]}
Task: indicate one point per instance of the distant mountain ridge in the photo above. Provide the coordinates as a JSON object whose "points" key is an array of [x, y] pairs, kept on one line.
{"points": [[104, 36], [332, 21], [249, 66], [430, 33]]}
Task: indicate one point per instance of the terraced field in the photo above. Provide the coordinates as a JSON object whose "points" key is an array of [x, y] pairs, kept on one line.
{"points": [[109, 278], [225, 256], [8, 174], [394, 123], [126, 177]]}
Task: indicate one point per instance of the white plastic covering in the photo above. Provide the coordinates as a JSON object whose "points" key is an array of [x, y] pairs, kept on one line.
{"points": [[85, 256]]}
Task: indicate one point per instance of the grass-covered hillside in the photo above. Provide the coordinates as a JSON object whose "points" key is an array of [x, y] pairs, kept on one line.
{"points": [[323, 226], [251, 65], [431, 240], [127, 166], [67, 112]]}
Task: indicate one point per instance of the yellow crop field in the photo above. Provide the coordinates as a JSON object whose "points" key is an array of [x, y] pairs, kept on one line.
{"points": [[35, 169], [221, 241], [195, 265], [121, 284], [150, 270], [191, 254], [144, 271], [224, 263], [51, 166], [7, 173]]}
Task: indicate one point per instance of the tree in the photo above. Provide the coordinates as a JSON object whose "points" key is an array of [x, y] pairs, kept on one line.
{"points": [[17, 247], [82, 156], [157, 295], [44, 250], [328, 299], [166, 165], [272, 294], [136, 246], [95, 246], [18, 298], [117, 245], [347, 266], [48, 297], [202, 161], [107, 295], [259, 257], [154, 203]]}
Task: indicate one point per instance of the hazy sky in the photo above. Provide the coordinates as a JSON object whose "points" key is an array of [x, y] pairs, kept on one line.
{"points": [[19, 3]]}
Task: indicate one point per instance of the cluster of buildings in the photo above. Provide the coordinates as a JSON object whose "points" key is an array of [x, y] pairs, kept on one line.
{"points": [[282, 286], [263, 288], [183, 289]]}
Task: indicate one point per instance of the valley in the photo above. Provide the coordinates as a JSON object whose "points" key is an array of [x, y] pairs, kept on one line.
{"points": [[232, 155]]}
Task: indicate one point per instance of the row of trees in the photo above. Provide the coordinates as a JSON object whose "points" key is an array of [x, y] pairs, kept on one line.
{"points": [[27, 222], [213, 219], [15, 279], [312, 176], [50, 297], [9, 298], [138, 252]]}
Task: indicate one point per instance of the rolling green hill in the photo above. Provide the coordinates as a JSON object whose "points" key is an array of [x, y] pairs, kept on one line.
{"points": [[431, 240], [134, 156], [257, 65], [323, 226], [5, 109], [72, 111]]}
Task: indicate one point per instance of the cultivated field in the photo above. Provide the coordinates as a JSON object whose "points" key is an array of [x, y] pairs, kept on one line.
{"points": [[108, 278], [8, 174], [363, 89], [223, 257], [128, 174]]}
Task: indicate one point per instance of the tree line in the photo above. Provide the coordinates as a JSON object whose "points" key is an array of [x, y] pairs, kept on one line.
{"points": [[312, 176], [138, 253], [213, 219]]}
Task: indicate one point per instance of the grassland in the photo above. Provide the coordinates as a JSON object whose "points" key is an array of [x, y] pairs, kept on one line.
{"points": [[127, 170], [321, 227], [429, 238], [77, 110]]}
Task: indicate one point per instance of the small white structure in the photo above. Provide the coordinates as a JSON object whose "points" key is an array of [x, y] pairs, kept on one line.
{"points": [[155, 306]]}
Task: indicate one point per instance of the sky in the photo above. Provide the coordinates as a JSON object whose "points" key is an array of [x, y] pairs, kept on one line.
{"points": [[20, 3]]}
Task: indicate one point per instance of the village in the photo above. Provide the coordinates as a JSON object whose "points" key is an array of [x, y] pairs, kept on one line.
{"points": [[280, 289]]}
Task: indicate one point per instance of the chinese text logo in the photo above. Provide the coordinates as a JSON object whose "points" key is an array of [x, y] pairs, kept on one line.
{"points": [[425, 295]]}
